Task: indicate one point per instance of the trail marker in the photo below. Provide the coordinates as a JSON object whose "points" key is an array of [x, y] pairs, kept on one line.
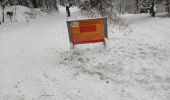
{"points": [[87, 31]]}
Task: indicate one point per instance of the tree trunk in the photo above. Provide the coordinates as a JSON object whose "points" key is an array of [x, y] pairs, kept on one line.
{"points": [[168, 10], [55, 4], [79, 3], [20, 2], [3, 18], [126, 9], [39, 3], [137, 8], [34, 2], [120, 5], [10, 2], [152, 10], [46, 3]]}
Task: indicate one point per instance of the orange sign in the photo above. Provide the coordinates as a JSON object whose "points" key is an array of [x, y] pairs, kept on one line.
{"points": [[87, 31]]}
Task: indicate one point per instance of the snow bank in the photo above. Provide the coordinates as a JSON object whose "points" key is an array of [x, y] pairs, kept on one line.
{"points": [[21, 14]]}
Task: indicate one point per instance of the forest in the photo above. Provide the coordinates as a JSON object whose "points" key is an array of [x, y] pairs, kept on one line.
{"points": [[109, 8]]}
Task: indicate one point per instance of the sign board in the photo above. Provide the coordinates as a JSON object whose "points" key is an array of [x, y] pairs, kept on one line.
{"points": [[87, 31]]}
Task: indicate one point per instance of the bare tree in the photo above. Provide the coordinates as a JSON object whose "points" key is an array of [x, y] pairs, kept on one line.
{"points": [[168, 6], [34, 2], [3, 2]]}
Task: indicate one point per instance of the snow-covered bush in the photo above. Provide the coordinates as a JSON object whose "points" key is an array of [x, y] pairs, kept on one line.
{"points": [[102, 7], [109, 9], [22, 15]]}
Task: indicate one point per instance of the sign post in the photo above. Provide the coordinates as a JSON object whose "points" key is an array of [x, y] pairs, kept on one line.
{"points": [[87, 31]]}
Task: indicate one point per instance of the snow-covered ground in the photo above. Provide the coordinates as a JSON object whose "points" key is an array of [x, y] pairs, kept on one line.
{"points": [[36, 62]]}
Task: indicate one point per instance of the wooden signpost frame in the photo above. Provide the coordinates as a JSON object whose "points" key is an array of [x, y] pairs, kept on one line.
{"points": [[105, 29]]}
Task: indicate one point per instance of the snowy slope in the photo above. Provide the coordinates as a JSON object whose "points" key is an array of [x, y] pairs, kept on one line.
{"points": [[36, 62], [21, 14]]}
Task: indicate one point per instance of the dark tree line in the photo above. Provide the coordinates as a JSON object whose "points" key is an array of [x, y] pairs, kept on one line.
{"points": [[104, 7], [44, 4], [48, 4], [152, 4]]}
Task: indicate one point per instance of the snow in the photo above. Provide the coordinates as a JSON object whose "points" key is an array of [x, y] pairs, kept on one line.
{"points": [[36, 62], [21, 14]]}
